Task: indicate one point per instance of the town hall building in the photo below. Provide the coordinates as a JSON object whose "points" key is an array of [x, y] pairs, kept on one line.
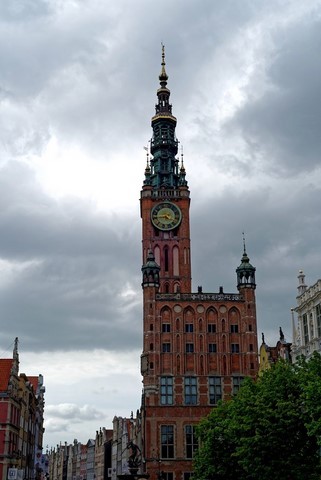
{"points": [[197, 346]]}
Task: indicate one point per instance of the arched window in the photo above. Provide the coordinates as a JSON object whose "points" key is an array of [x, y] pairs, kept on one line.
{"points": [[176, 287], [175, 261], [157, 254]]}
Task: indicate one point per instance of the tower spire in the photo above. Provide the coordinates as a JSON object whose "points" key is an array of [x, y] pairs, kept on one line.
{"points": [[163, 77], [244, 249], [182, 171], [15, 355], [164, 144]]}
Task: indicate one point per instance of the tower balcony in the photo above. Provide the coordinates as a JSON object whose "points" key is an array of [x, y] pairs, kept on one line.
{"points": [[159, 143]]}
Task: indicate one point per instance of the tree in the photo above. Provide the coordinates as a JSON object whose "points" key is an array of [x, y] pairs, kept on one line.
{"points": [[309, 376], [270, 429]]}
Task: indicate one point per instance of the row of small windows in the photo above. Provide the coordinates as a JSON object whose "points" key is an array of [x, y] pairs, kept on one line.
{"points": [[191, 389], [170, 475], [212, 347], [211, 328]]}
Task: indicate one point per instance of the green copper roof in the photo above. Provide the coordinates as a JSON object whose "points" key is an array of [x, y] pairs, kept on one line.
{"points": [[245, 263]]}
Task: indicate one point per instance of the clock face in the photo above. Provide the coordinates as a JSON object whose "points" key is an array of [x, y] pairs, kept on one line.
{"points": [[166, 216]]}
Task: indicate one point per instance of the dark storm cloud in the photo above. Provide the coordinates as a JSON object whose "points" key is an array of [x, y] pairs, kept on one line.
{"points": [[283, 235], [283, 125]]}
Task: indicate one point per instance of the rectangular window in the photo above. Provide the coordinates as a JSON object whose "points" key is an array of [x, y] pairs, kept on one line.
{"points": [[234, 329], [167, 441], [166, 327], [191, 443], [311, 326], [237, 382], [166, 259], [189, 328], [318, 315], [215, 389], [166, 390], [211, 328], [212, 347], [251, 347], [305, 329], [189, 347], [190, 389], [166, 476], [187, 475], [166, 347], [235, 348]]}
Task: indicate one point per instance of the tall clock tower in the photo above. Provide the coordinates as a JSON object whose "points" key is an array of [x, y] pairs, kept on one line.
{"points": [[197, 347]]}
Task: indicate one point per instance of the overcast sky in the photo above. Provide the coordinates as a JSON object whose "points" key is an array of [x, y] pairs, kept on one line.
{"points": [[78, 83]]}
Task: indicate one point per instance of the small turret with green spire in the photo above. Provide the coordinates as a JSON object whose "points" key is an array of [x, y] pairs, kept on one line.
{"points": [[182, 171], [245, 272], [147, 180], [150, 271]]}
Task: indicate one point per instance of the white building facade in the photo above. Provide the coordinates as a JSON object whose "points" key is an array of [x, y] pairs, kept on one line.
{"points": [[307, 329]]}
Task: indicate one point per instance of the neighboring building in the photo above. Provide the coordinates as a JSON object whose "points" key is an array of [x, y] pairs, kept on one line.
{"points": [[102, 463], [307, 331], [83, 462], [58, 462], [69, 459], [21, 421], [270, 355], [197, 347], [90, 459], [119, 447], [41, 459], [126, 432], [77, 461]]}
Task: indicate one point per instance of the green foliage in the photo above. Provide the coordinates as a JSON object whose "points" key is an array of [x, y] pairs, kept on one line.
{"points": [[270, 429]]}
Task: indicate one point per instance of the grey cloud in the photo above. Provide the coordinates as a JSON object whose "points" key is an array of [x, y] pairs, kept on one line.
{"points": [[69, 269], [23, 10], [72, 411], [282, 236], [283, 126]]}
